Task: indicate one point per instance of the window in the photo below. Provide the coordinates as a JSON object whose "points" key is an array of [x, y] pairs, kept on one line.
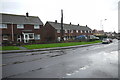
{"points": [[58, 31], [19, 38], [65, 31], [37, 37], [3, 25], [20, 26], [0, 25], [71, 31], [31, 36], [58, 38], [81, 31], [5, 37], [36, 27], [85, 31], [76, 31]]}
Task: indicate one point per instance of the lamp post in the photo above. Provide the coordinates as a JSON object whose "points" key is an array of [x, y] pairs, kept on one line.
{"points": [[101, 23]]}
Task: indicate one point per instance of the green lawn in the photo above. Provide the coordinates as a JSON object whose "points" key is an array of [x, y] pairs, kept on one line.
{"points": [[9, 48], [37, 46]]}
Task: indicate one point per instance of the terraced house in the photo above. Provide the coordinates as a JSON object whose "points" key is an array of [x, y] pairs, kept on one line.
{"points": [[20, 28], [52, 31]]}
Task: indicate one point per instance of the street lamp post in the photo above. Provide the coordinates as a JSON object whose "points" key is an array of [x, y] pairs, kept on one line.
{"points": [[101, 23]]}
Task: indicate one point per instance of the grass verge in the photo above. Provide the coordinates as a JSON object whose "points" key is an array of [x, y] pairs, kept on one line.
{"points": [[38, 46], [9, 48]]}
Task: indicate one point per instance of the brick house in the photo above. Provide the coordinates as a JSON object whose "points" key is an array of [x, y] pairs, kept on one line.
{"points": [[52, 31], [20, 28]]}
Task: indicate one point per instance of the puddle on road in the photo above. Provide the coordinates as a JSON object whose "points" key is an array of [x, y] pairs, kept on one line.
{"points": [[68, 74], [104, 58], [84, 67], [76, 71]]}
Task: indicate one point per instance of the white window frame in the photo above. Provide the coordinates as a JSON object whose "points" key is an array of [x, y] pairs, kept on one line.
{"points": [[58, 38], [76, 31], [4, 37], [3, 25], [85, 31], [20, 26], [19, 38], [32, 35], [81, 31], [36, 27], [58, 31], [65, 31], [71, 31]]}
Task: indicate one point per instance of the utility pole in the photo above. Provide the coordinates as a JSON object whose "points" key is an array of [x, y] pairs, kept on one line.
{"points": [[62, 33], [12, 31]]}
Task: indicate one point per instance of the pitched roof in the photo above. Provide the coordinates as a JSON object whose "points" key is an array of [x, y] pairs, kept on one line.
{"points": [[20, 19], [68, 26]]}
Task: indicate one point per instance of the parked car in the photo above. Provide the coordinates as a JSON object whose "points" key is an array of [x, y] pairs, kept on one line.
{"points": [[111, 40], [106, 41]]}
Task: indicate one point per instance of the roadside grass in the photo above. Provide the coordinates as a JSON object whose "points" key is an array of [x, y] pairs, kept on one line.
{"points": [[9, 48], [0, 48], [38, 46]]}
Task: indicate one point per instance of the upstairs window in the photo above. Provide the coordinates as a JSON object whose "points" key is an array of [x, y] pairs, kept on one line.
{"points": [[76, 31], [58, 31], [36, 27], [71, 31], [20, 26], [3, 25], [65, 31]]}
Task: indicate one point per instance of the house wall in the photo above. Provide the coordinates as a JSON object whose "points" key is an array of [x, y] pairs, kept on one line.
{"points": [[52, 35], [16, 31], [49, 33]]}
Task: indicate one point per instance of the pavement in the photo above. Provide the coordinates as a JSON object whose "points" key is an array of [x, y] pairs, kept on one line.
{"points": [[45, 49]]}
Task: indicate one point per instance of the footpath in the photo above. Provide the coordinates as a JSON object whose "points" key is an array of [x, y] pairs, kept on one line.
{"points": [[46, 49]]}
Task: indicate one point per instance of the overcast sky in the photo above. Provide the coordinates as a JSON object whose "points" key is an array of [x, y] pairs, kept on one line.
{"points": [[83, 12]]}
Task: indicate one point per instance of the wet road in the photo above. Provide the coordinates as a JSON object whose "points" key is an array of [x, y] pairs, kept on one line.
{"points": [[98, 61]]}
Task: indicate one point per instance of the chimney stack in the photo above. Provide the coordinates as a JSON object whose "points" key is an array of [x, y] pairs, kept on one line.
{"points": [[86, 26], [78, 24], [27, 14], [70, 23], [55, 21]]}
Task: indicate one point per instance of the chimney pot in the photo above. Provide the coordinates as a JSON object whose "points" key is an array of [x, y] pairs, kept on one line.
{"points": [[27, 14], [78, 24], [70, 23], [55, 21]]}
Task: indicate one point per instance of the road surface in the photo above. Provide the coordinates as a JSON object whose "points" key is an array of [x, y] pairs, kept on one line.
{"points": [[97, 61]]}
